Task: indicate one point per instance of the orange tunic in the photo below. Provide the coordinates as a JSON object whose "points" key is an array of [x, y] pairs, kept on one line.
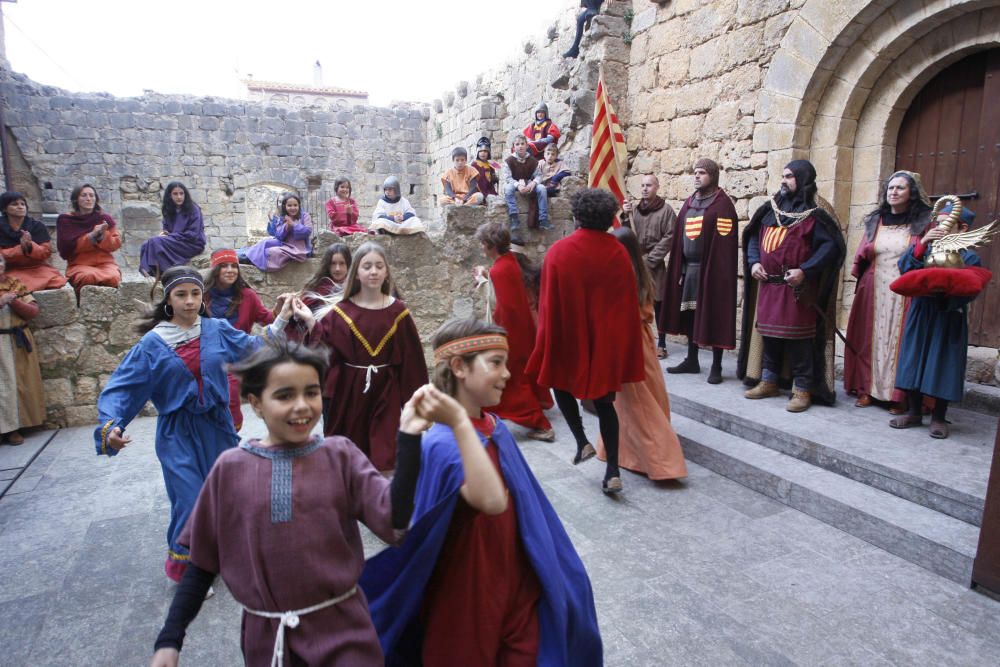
{"points": [[647, 443], [33, 269], [94, 264]]}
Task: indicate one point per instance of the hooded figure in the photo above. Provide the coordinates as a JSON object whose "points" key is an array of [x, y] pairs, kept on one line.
{"points": [[793, 251], [699, 292], [487, 171], [541, 132], [393, 214]]}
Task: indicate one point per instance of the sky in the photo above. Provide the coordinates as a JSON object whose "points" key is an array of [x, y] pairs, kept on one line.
{"points": [[394, 49]]}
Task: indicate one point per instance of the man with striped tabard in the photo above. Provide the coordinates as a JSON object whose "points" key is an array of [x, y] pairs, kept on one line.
{"points": [[794, 250]]}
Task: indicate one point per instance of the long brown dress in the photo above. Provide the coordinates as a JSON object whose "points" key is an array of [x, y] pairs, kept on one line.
{"points": [[24, 406], [376, 363], [647, 442], [280, 525]]}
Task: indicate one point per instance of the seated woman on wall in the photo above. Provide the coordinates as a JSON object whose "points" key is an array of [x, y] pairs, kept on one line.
{"points": [[393, 213], [291, 237], [25, 245], [85, 238], [183, 234], [23, 403], [342, 210]]}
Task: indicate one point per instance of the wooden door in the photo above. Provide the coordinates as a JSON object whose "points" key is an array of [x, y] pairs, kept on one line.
{"points": [[951, 136]]}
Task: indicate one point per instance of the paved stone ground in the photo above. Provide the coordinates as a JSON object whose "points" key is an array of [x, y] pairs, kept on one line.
{"points": [[700, 572]]}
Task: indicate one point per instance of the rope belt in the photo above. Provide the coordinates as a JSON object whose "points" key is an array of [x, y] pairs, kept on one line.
{"points": [[370, 370], [290, 619]]}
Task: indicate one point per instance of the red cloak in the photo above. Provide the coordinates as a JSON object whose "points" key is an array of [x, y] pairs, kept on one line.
{"points": [[523, 400], [715, 315], [589, 336]]}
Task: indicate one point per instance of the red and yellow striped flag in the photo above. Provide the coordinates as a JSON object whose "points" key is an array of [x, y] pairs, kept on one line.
{"points": [[608, 157]]}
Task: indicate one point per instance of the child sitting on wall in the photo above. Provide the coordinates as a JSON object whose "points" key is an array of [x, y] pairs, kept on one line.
{"points": [[460, 183]]}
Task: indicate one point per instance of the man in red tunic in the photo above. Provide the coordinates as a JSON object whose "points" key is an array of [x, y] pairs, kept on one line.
{"points": [[794, 251], [523, 400], [699, 297], [587, 344]]}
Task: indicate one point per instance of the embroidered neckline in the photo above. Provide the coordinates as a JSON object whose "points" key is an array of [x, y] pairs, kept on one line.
{"points": [[282, 453], [374, 352]]}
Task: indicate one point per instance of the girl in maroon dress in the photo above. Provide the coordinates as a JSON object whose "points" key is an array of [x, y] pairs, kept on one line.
{"points": [[376, 359], [229, 297], [278, 518]]}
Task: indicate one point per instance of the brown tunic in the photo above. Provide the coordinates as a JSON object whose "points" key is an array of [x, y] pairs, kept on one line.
{"points": [[655, 231], [286, 565]]}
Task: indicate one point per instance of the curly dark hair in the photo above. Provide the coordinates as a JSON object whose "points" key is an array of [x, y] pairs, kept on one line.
{"points": [[594, 208]]}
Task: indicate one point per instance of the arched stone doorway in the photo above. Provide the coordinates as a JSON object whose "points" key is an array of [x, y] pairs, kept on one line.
{"points": [[841, 82], [951, 136]]}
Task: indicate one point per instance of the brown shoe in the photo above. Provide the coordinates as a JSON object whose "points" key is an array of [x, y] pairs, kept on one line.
{"points": [[661, 353], [543, 434], [864, 401], [939, 429], [906, 421], [762, 390], [15, 438], [800, 401]]}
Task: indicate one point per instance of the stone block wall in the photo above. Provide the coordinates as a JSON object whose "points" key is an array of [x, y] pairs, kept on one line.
{"points": [[79, 347], [130, 148]]}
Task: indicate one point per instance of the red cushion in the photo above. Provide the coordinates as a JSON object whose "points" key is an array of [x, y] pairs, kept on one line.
{"points": [[969, 281]]}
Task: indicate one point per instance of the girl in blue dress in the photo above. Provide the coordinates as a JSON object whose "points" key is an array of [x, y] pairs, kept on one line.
{"points": [[179, 365]]}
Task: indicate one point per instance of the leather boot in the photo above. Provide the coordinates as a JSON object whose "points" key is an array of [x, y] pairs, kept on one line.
{"points": [[800, 401], [762, 390]]}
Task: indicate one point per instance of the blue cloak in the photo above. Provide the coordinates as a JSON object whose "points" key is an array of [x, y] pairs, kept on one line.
{"points": [[395, 579], [191, 431], [934, 345]]}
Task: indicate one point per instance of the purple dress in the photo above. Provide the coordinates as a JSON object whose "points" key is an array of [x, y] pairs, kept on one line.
{"points": [[185, 238], [288, 243], [280, 525]]}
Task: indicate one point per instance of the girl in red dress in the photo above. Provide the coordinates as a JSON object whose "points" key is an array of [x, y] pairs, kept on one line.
{"points": [[229, 297]]}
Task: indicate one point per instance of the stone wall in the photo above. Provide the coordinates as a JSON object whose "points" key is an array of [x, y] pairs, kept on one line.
{"points": [[79, 348], [130, 148]]}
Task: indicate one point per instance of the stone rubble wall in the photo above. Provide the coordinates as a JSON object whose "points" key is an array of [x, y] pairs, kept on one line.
{"points": [[79, 348], [225, 151]]}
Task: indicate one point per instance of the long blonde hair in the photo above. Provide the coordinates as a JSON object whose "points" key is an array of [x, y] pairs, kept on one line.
{"points": [[354, 285]]}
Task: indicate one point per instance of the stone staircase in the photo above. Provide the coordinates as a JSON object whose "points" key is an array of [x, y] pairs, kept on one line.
{"points": [[916, 497]]}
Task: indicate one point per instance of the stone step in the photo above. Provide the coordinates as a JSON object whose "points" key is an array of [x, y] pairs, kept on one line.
{"points": [[948, 476], [836, 457], [928, 538]]}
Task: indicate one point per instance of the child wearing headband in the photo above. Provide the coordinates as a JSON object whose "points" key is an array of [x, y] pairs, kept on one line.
{"points": [[477, 582], [179, 365]]}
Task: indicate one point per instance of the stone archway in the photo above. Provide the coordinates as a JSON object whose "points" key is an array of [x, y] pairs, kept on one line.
{"points": [[840, 83]]}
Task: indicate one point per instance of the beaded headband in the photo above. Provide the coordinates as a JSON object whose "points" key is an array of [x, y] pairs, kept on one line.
{"points": [[225, 256], [468, 345]]}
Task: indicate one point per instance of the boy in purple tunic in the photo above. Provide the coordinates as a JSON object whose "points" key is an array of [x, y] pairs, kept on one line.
{"points": [[277, 518], [183, 234]]}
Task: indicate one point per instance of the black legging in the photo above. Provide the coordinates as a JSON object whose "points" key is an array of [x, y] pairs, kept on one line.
{"points": [[916, 405], [607, 419], [687, 321]]}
